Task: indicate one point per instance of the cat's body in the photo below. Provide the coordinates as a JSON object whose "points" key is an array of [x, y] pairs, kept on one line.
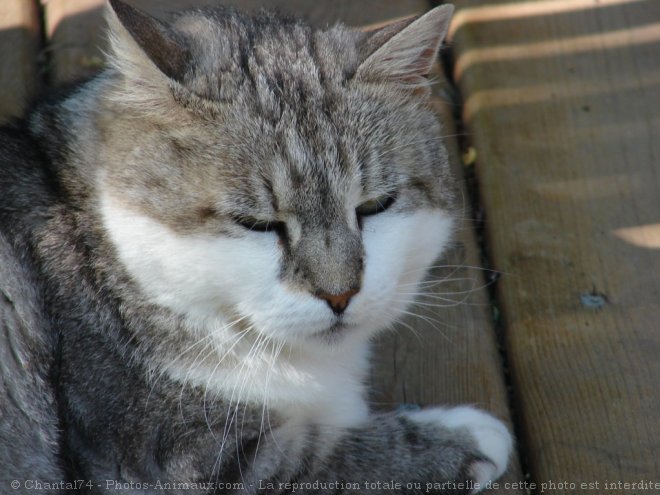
{"points": [[197, 246]]}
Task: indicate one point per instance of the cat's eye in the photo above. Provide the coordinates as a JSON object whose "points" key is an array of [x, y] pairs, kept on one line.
{"points": [[257, 225], [375, 205]]}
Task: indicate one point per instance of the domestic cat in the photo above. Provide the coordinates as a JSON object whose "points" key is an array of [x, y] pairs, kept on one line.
{"points": [[197, 246]]}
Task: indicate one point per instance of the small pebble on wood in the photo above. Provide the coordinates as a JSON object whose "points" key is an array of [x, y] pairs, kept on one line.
{"points": [[593, 300]]}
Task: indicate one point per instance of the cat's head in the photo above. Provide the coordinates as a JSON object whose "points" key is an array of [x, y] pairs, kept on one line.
{"points": [[257, 169]]}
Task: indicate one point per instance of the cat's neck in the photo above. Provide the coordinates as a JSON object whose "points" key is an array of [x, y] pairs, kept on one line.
{"points": [[69, 135], [235, 365]]}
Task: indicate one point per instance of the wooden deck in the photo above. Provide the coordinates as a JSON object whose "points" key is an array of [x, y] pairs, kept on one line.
{"points": [[559, 101]]}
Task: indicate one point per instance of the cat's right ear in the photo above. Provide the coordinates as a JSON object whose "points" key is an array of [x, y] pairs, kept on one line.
{"points": [[403, 52], [135, 34]]}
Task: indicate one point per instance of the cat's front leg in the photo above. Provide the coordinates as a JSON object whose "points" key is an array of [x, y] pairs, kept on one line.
{"points": [[436, 450]]}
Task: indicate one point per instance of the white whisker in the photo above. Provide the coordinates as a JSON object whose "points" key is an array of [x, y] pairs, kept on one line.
{"points": [[431, 321]]}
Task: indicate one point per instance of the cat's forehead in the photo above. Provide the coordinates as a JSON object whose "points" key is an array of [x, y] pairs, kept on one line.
{"points": [[289, 168], [315, 156], [270, 56]]}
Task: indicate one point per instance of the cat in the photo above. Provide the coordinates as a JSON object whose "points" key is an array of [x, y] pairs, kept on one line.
{"points": [[197, 246]]}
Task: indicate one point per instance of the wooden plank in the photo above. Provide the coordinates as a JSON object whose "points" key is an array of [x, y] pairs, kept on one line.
{"points": [[448, 354], [19, 48], [76, 38], [75, 28], [561, 98], [317, 12]]}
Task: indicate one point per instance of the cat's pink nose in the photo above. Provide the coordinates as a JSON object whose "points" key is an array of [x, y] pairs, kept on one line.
{"points": [[337, 302]]}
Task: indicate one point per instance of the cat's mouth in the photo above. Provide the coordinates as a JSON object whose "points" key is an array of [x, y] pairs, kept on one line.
{"points": [[339, 327]]}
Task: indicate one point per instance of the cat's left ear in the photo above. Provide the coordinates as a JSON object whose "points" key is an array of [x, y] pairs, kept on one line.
{"points": [[164, 47], [403, 52]]}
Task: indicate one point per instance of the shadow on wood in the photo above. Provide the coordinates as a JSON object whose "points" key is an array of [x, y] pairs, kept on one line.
{"points": [[561, 107]]}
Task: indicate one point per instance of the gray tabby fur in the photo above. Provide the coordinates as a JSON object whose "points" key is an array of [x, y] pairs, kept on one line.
{"points": [[294, 115]]}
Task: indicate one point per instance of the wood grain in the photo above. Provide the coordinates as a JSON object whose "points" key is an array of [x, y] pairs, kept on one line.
{"points": [[19, 49], [561, 99]]}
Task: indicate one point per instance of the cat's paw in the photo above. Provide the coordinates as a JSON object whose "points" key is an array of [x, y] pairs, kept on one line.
{"points": [[492, 438]]}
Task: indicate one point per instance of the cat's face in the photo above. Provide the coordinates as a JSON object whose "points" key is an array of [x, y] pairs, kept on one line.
{"points": [[298, 193]]}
